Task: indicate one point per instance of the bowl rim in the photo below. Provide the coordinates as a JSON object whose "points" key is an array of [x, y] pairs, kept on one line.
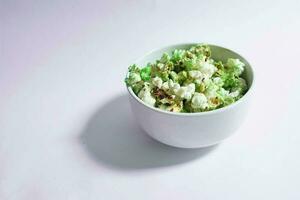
{"points": [[228, 107]]}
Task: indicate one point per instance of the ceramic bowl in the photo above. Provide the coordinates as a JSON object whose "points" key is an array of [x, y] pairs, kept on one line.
{"points": [[192, 130]]}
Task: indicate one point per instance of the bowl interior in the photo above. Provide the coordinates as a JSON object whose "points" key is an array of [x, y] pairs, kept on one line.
{"points": [[218, 53]]}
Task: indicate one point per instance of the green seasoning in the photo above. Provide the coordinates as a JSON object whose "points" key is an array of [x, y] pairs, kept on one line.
{"points": [[188, 81]]}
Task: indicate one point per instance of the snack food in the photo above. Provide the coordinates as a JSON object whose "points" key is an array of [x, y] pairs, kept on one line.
{"points": [[188, 80]]}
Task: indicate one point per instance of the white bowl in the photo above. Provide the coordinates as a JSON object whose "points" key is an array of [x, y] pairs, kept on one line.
{"points": [[192, 130]]}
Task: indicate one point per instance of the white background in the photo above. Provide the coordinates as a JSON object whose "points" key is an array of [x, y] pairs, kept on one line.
{"points": [[66, 130]]}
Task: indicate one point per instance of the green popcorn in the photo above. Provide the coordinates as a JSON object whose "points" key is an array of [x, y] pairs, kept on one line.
{"points": [[174, 76], [201, 49], [178, 54], [133, 76], [146, 73], [188, 80], [182, 76], [219, 65], [137, 87], [164, 76], [230, 79], [190, 64], [235, 66], [165, 58]]}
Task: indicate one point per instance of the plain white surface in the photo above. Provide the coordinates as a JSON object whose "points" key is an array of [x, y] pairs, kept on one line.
{"points": [[66, 131]]}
